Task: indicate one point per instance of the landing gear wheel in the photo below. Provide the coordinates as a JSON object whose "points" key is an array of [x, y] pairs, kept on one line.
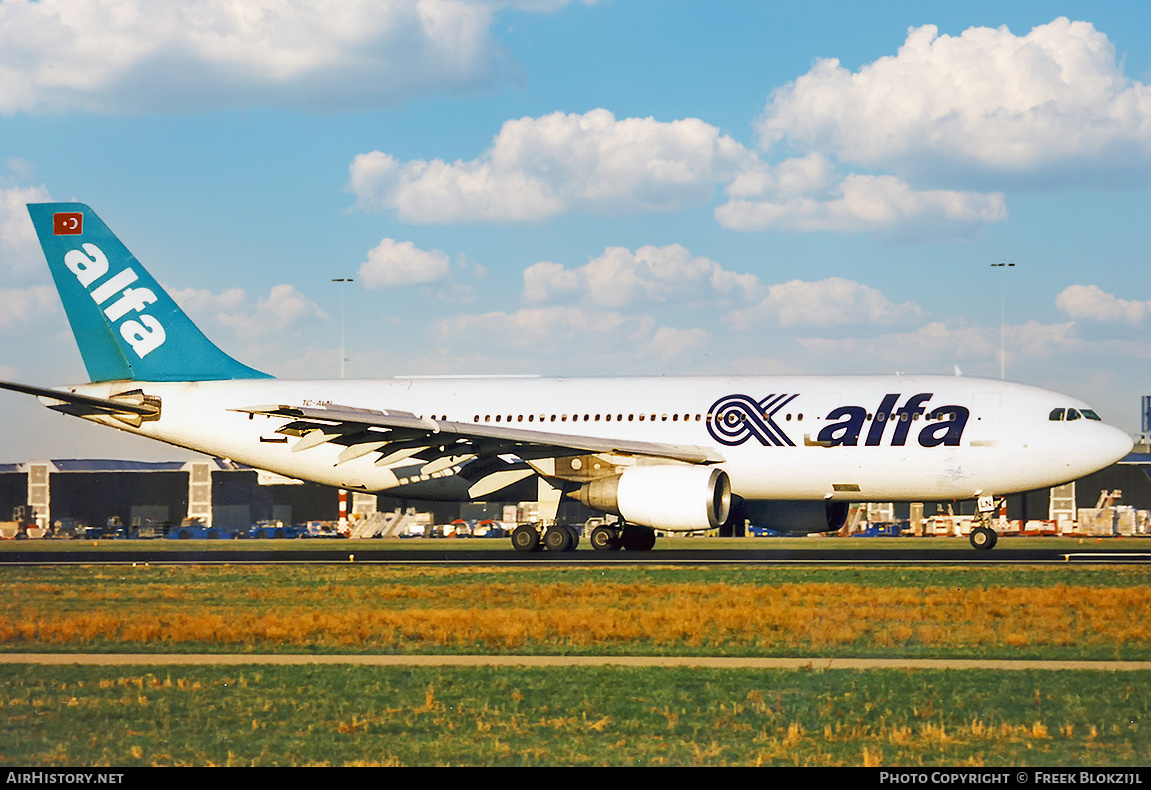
{"points": [[526, 538], [559, 538], [637, 538], [983, 538], [605, 538]]}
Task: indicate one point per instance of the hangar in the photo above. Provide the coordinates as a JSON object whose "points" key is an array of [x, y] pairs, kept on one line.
{"points": [[230, 496], [219, 492], [92, 491]]}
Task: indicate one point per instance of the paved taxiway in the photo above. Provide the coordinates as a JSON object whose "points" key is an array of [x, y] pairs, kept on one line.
{"points": [[458, 554]]}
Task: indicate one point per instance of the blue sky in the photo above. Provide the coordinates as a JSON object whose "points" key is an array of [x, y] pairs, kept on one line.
{"points": [[570, 188]]}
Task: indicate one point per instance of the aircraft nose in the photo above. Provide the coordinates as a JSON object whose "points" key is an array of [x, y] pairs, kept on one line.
{"points": [[1111, 445]]}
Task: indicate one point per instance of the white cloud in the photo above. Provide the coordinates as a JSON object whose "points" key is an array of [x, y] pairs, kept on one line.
{"points": [[1092, 303], [983, 107], [936, 347], [650, 275], [532, 326], [23, 307], [288, 307], [806, 176], [20, 253], [1054, 98], [1034, 340], [671, 275], [670, 343], [825, 303], [539, 167], [284, 308], [394, 263], [204, 302], [537, 327], [931, 348], [867, 203], [594, 340], [132, 55]]}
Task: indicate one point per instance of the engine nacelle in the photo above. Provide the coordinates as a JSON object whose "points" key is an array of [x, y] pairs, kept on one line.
{"points": [[797, 516], [672, 498]]}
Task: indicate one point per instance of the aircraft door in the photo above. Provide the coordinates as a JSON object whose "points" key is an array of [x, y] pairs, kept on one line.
{"points": [[984, 424]]}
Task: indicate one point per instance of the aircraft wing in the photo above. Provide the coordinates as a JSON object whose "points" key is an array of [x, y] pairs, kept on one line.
{"points": [[363, 431]]}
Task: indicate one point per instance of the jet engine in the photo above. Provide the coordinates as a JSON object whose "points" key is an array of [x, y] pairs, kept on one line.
{"points": [[672, 498], [797, 516]]}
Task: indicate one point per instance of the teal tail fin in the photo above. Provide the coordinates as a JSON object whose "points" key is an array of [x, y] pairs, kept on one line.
{"points": [[127, 327]]}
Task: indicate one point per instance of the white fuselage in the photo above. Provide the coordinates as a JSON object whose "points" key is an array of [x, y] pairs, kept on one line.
{"points": [[786, 438]]}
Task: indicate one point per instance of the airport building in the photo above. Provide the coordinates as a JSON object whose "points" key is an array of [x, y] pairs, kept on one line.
{"points": [[218, 493], [224, 495], [94, 492]]}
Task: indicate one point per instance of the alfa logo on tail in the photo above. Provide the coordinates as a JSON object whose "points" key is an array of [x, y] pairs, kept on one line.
{"points": [[126, 326], [143, 333]]}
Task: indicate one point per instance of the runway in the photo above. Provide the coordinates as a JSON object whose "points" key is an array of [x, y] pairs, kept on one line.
{"points": [[462, 553]]}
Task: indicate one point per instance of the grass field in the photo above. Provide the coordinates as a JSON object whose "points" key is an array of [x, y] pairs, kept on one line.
{"points": [[120, 716], [75, 715]]}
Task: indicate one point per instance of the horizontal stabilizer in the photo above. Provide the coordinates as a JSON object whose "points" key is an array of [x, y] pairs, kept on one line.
{"points": [[132, 403]]}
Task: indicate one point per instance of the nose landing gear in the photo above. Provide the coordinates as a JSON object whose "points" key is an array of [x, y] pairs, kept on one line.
{"points": [[982, 536]]}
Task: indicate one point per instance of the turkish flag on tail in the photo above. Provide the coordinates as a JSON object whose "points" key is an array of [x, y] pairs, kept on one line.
{"points": [[68, 223]]}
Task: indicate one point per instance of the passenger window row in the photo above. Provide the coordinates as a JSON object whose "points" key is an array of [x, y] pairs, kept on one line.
{"points": [[586, 418]]}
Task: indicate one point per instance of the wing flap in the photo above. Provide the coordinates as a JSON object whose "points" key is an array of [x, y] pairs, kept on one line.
{"points": [[336, 415]]}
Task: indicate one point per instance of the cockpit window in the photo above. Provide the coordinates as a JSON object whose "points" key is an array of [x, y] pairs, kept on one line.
{"points": [[1059, 415]]}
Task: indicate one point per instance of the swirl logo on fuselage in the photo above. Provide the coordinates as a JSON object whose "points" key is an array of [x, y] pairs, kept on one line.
{"points": [[733, 419]]}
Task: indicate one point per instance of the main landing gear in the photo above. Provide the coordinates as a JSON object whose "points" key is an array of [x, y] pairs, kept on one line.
{"points": [[613, 537], [562, 537], [557, 537]]}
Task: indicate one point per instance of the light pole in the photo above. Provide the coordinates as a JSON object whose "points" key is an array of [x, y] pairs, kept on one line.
{"points": [[1003, 318], [343, 355], [343, 361]]}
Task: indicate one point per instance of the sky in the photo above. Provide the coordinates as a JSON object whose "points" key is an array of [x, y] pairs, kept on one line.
{"points": [[557, 187]]}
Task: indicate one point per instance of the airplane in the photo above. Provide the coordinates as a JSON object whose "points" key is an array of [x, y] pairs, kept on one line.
{"points": [[672, 454]]}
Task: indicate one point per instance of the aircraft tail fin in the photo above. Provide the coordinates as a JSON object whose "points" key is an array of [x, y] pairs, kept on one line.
{"points": [[126, 326]]}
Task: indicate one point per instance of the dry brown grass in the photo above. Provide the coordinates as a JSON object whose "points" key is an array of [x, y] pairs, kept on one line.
{"points": [[579, 616]]}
